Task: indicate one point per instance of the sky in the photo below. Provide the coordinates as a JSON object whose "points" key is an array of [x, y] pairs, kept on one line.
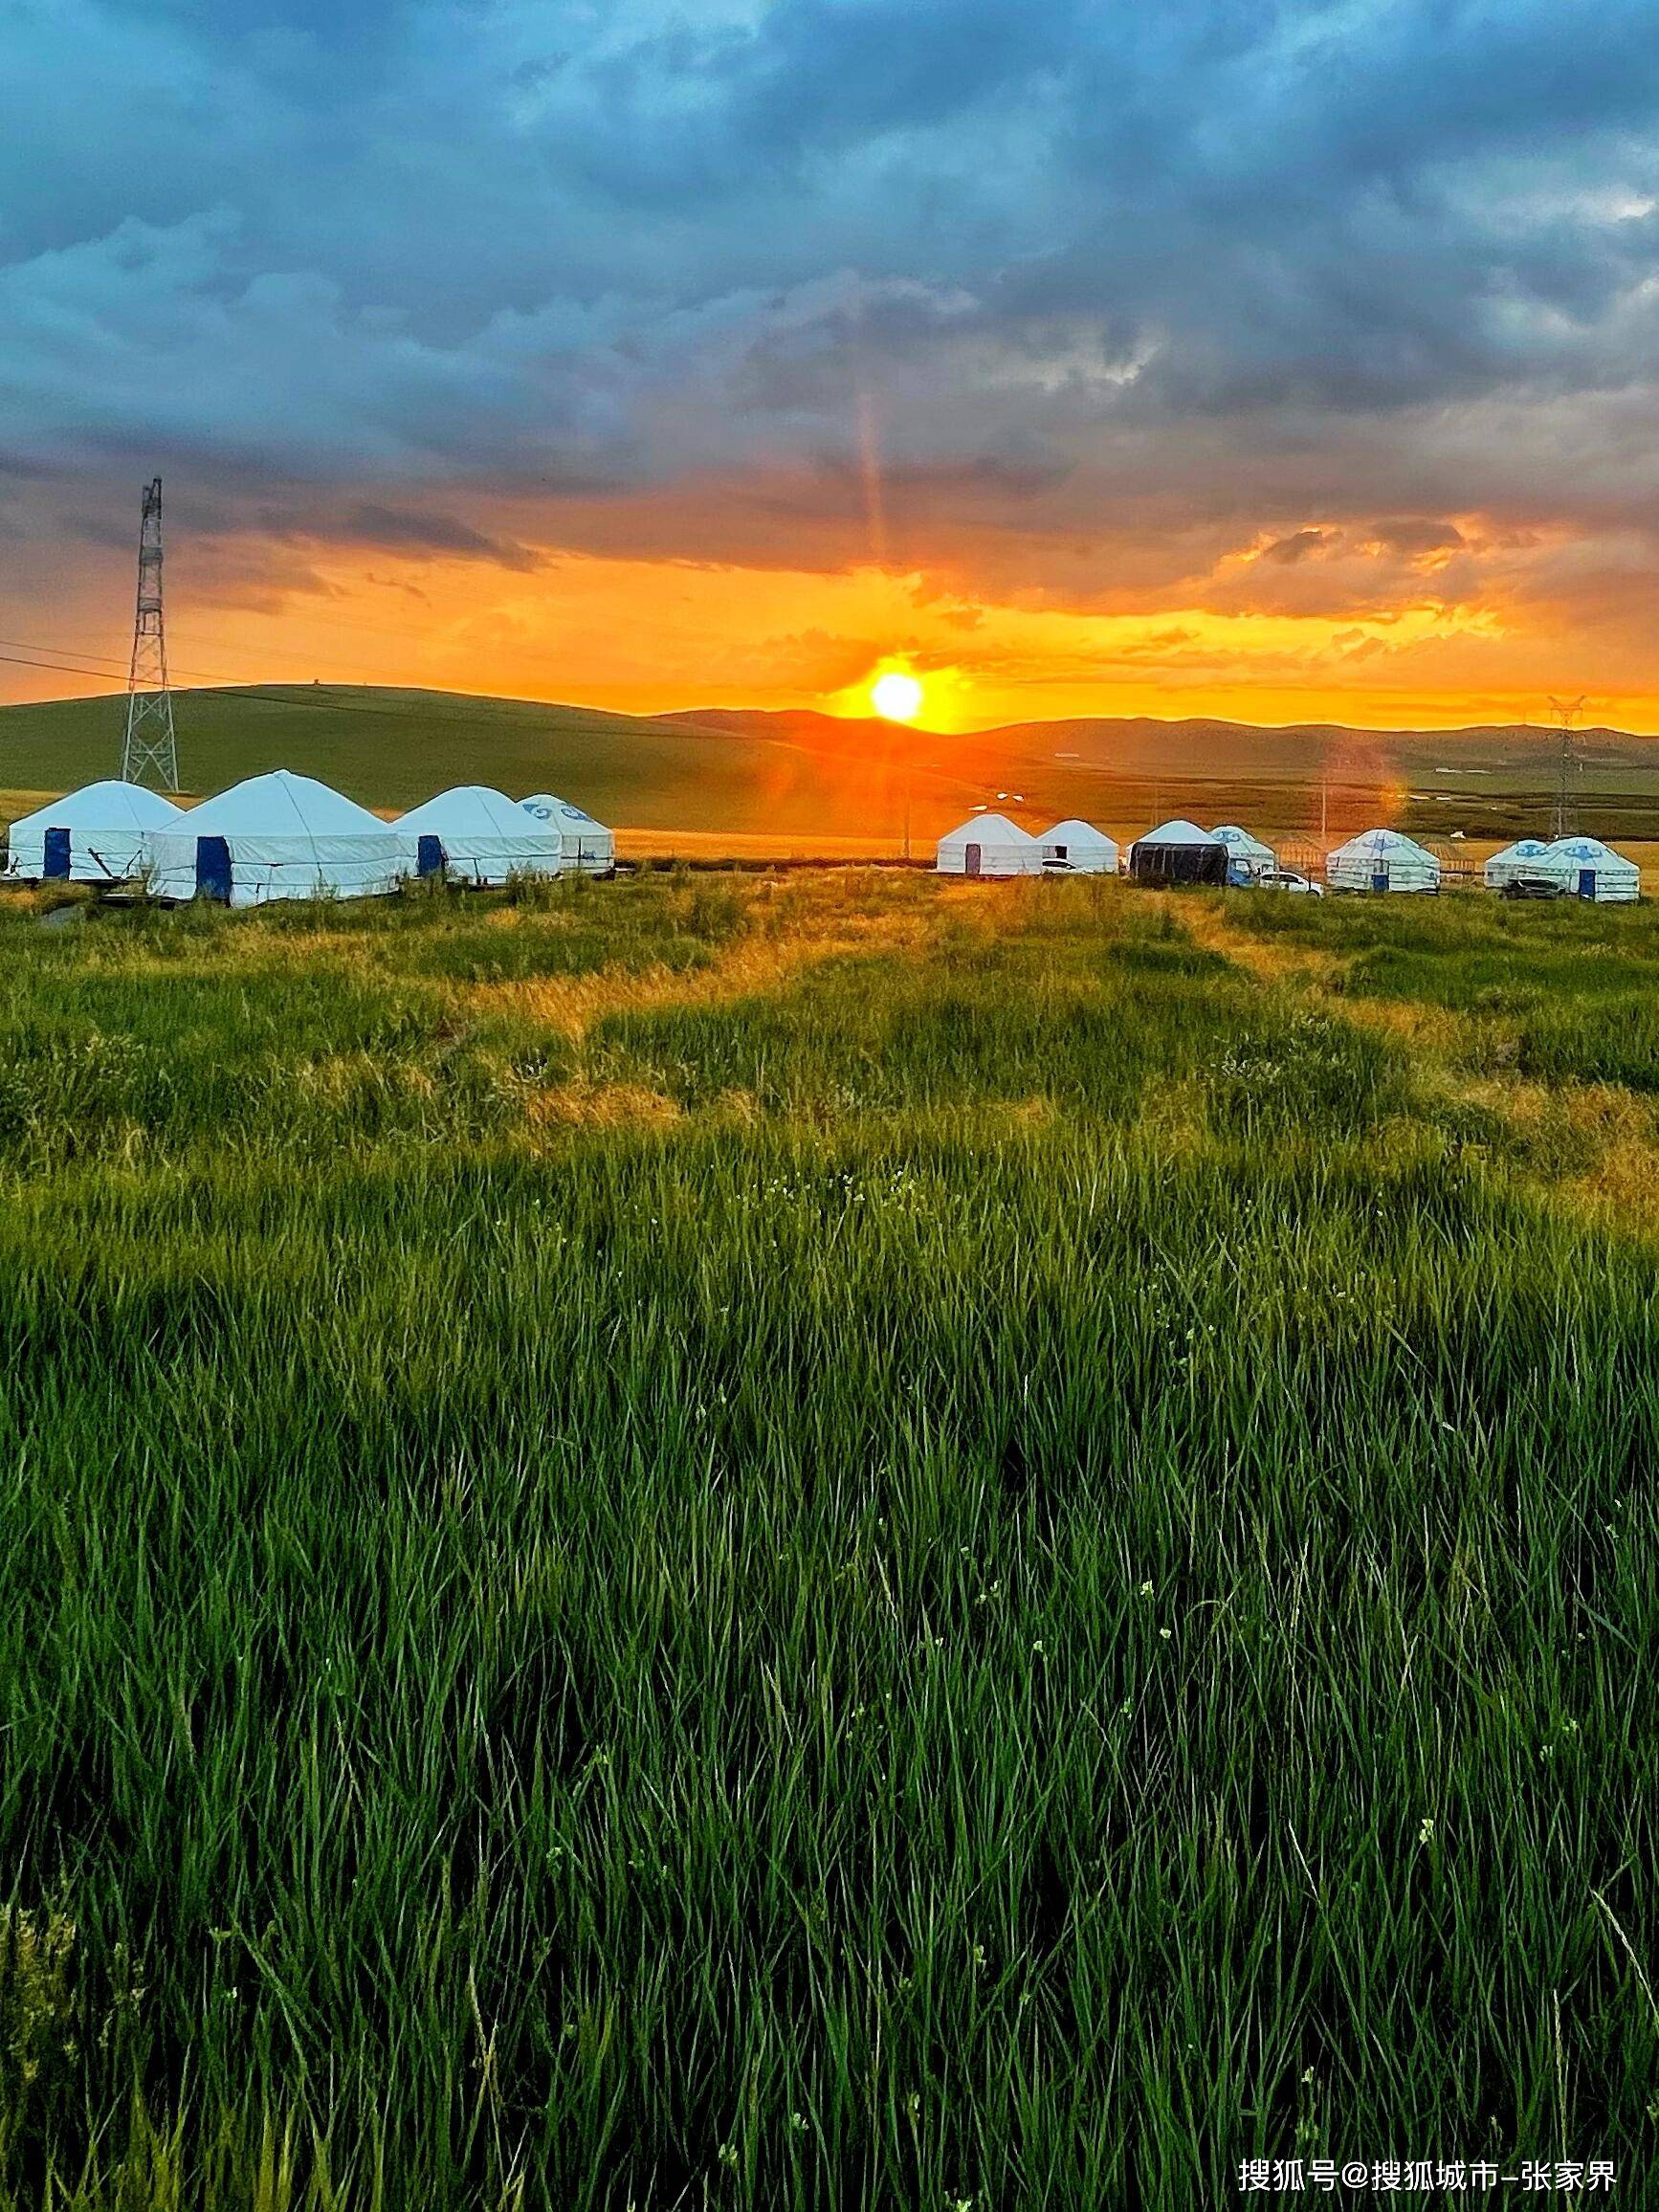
{"points": [[1283, 361]]}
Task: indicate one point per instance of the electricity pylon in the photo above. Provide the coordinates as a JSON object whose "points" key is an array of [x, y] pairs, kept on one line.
{"points": [[1566, 712], [151, 750]]}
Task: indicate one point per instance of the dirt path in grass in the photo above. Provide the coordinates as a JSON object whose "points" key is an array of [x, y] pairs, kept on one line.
{"points": [[1593, 1147]]}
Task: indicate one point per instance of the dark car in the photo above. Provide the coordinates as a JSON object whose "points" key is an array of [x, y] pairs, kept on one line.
{"points": [[1532, 887]]}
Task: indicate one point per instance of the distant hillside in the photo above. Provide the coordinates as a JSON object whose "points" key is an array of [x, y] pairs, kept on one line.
{"points": [[1142, 745], [392, 749], [797, 774], [1487, 779]]}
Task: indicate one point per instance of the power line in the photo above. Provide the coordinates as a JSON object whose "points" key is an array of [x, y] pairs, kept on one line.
{"points": [[51, 658], [315, 699]]}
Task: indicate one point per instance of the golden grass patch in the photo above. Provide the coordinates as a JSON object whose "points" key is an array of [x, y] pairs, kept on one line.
{"points": [[583, 1105], [764, 960], [1591, 1147]]}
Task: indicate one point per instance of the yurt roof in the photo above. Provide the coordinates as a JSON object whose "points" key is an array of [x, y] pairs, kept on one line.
{"points": [[988, 830], [1587, 848], [1240, 840], [1384, 841], [284, 804], [544, 806], [1523, 849], [1077, 833], [470, 807], [108, 805], [1177, 833]]}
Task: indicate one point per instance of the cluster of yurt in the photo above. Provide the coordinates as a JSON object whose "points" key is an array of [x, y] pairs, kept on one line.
{"points": [[1575, 866], [1175, 852], [1181, 851], [287, 836], [991, 845]]}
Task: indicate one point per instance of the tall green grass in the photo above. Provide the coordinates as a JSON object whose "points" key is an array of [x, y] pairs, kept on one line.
{"points": [[1563, 992], [1062, 1598]]}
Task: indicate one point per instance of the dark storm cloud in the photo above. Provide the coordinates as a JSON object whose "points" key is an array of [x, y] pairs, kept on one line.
{"points": [[1407, 533], [399, 530], [1295, 547], [1088, 277]]}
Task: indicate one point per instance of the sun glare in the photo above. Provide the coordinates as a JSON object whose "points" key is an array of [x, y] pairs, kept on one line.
{"points": [[896, 697]]}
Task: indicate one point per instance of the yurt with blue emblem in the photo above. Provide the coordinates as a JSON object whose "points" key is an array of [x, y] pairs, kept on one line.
{"points": [[1384, 860], [1248, 857], [1592, 870], [587, 846], [1524, 861]]}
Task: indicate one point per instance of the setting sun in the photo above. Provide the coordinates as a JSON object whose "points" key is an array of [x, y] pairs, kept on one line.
{"points": [[896, 697]]}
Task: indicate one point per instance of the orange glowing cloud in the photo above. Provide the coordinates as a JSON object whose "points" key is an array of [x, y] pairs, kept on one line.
{"points": [[646, 636], [1406, 623]]}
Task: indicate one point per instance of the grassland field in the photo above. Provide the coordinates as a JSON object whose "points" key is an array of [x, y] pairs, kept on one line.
{"points": [[824, 1542]]}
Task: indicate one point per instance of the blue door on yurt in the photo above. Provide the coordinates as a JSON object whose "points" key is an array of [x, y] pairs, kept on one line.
{"points": [[54, 864], [971, 861], [1380, 876], [1586, 883], [214, 870], [429, 857]]}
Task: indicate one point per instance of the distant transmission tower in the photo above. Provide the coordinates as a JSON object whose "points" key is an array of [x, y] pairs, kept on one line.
{"points": [[1566, 712], [151, 752]]}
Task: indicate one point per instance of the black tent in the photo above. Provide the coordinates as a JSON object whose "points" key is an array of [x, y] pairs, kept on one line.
{"points": [[1177, 852]]}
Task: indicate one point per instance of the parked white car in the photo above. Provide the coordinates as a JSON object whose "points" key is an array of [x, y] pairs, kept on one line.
{"points": [[1285, 879]]}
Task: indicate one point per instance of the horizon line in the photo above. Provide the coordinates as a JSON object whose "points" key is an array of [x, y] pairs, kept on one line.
{"points": [[303, 684]]}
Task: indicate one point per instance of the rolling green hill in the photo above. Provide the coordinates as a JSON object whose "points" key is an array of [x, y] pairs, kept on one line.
{"points": [[393, 748], [799, 773]]}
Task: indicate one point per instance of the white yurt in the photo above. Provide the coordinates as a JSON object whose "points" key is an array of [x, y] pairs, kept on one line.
{"points": [[92, 836], [1078, 846], [275, 836], [1381, 860], [1593, 870], [476, 835], [990, 844], [1245, 852], [588, 846], [1527, 856]]}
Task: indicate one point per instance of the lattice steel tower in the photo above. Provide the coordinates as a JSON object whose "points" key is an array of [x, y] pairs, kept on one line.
{"points": [[1566, 712], [151, 752]]}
